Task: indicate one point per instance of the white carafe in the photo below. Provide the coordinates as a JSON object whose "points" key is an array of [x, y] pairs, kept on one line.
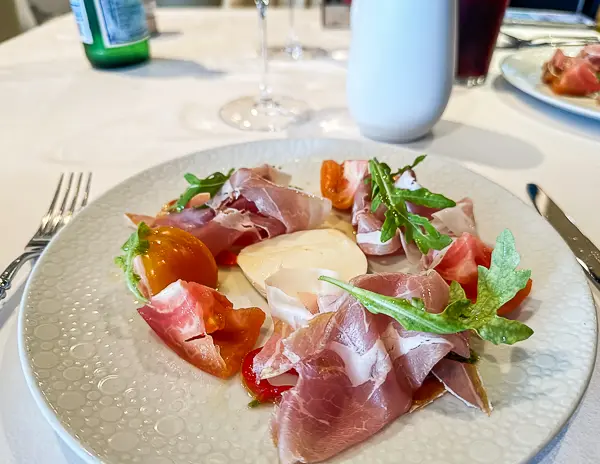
{"points": [[401, 66]]}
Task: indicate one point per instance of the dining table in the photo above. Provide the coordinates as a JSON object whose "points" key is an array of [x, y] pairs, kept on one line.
{"points": [[58, 114]]}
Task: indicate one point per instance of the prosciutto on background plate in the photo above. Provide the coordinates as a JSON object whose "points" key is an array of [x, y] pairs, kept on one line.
{"points": [[578, 75]]}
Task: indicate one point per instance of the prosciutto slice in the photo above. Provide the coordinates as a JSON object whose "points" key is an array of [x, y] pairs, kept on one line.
{"points": [[201, 326], [295, 209], [347, 389], [368, 225], [253, 205], [456, 220], [190, 219], [294, 297], [359, 371], [464, 382], [577, 75]]}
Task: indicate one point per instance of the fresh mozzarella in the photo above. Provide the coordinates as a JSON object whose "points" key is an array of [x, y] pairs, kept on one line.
{"points": [[310, 249]]}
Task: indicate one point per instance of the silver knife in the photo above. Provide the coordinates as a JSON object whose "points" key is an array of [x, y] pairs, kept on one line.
{"points": [[585, 251]]}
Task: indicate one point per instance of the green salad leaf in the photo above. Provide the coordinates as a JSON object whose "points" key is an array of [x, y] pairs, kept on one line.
{"points": [[211, 184], [136, 245], [496, 286], [417, 228]]}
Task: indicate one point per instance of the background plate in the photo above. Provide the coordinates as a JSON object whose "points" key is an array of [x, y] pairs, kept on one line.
{"points": [[116, 394], [523, 69]]}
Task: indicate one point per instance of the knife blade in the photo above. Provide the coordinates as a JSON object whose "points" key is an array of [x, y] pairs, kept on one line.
{"points": [[586, 253]]}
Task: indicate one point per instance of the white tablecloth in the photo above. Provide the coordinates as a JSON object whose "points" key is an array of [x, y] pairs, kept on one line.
{"points": [[58, 114]]}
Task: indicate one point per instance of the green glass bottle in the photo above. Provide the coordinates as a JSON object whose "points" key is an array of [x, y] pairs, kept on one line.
{"points": [[114, 32]]}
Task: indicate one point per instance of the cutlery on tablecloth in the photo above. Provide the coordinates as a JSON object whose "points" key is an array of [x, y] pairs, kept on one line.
{"points": [[562, 41], [586, 253], [66, 202]]}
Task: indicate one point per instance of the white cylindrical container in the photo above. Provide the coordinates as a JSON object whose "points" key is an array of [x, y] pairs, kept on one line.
{"points": [[401, 66]]}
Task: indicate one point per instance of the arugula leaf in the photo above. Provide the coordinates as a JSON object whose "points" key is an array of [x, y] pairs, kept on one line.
{"points": [[211, 184], [136, 245], [418, 160], [598, 76], [375, 189], [495, 286], [416, 228]]}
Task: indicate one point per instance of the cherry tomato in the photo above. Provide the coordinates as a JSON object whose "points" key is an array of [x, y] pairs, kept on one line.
{"points": [[262, 391], [175, 254], [517, 300], [339, 186]]}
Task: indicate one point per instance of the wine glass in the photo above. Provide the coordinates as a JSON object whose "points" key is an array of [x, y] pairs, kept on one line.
{"points": [[266, 113], [293, 49]]}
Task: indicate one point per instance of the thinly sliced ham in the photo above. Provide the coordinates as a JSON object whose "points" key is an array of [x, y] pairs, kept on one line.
{"points": [[297, 210], [359, 371], [464, 382], [456, 220], [253, 205], [201, 326], [577, 76], [293, 296], [270, 361], [579, 79], [368, 225], [190, 219], [368, 236], [591, 53], [347, 390]]}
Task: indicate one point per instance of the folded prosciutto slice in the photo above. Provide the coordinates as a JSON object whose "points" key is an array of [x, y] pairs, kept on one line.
{"points": [[295, 209], [359, 371], [368, 225], [253, 205], [577, 75], [456, 220], [201, 326], [295, 297]]}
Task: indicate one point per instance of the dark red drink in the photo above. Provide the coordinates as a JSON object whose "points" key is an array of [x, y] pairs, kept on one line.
{"points": [[478, 27]]}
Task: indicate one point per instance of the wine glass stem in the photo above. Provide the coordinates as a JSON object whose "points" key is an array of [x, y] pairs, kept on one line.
{"points": [[265, 90], [292, 37]]}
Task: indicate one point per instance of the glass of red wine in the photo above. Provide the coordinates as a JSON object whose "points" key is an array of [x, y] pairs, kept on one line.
{"points": [[478, 28]]}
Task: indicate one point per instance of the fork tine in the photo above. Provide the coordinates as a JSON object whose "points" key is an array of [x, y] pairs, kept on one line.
{"points": [[58, 214], [69, 213], [86, 193], [48, 215]]}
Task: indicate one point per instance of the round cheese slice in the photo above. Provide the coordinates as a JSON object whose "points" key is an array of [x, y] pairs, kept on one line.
{"points": [[309, 249]]}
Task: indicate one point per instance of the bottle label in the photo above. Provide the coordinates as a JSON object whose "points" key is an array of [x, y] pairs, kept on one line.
{"points": [[122, 22], [81, 18]]}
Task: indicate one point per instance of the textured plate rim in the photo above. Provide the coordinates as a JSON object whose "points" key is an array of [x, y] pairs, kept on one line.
{"points": [[88, 456], [524, 86]]}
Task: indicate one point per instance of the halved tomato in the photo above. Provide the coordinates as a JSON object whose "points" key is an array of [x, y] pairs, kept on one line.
{"points": [[174, 254], [339, 182]]}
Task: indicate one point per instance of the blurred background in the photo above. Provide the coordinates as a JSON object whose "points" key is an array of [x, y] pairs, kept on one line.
{"points": [[17, 16]]}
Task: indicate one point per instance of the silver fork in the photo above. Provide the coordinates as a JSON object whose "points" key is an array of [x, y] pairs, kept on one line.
{"points": [[65, 203], [559, 41]]}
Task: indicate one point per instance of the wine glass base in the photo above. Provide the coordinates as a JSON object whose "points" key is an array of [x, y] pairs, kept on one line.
{"points": [[472, 81], [271, 115], [297, 53]]}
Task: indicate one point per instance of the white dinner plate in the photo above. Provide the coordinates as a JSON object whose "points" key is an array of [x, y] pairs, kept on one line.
{"points": [[523, 69], [117, 395]]}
